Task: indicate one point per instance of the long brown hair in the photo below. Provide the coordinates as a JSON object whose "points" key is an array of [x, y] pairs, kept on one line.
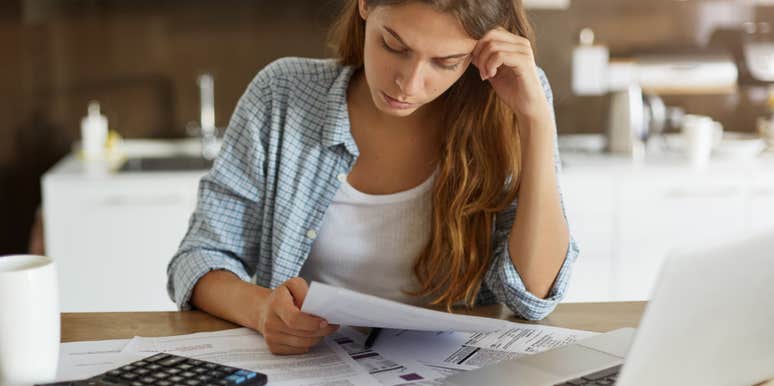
{"points": [[480, 157]]}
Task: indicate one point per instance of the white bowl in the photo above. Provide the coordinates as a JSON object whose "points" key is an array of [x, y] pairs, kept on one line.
{"points": [[739, 146]]}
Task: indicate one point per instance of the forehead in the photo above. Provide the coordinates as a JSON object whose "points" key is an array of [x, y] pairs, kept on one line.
{"points": [[423, 28]]}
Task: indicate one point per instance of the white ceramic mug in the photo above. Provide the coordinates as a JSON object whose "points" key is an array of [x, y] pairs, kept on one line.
{"points": [[700, 135], [29, 320]]}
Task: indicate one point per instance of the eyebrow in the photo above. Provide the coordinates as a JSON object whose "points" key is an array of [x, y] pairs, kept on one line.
{"points": [[396, 36]]}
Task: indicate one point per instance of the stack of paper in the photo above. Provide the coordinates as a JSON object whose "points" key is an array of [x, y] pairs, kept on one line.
{"points": [[409, 351]]}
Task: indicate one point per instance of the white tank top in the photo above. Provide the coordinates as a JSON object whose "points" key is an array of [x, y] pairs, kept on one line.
{"points": [[369, 243]]}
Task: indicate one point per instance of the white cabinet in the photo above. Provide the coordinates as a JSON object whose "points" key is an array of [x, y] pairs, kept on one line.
{"points": [[113, 234], [759, 212], [663, 211], [590, 201], [628, 218]]}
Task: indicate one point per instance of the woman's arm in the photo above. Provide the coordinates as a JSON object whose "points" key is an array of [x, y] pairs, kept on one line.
{"points": [[539, 237], [225, 295], [276, 314], [539, 243]]}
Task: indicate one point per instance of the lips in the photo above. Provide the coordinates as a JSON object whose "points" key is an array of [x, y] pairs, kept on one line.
{"points": [[396, 103]]}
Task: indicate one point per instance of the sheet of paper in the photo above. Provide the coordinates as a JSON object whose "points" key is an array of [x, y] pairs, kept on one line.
{"points": [[325, 364], [388, 370], [350, 308], [79, 360], [468, 351]]}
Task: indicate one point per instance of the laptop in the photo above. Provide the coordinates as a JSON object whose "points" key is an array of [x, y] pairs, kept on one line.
{"points": [[710, 322]]}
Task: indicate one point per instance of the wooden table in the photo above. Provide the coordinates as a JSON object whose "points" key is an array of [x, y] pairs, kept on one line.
{"points": [[598, 317]]}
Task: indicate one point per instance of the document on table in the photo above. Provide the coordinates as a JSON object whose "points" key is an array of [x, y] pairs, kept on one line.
{"points": [[399, 356], [78, 360], [326, 363], [350, 308], [388, 371], [468, 351]]}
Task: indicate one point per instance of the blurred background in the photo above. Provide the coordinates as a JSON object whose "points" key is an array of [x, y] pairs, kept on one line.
{"points": [[625, 74]]}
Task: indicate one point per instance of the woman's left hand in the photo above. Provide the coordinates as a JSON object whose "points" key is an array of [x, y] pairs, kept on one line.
{"points": [[506, 60]]}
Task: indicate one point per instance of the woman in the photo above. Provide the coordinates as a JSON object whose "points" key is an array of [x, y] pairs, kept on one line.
{"points": [[395, 170]]}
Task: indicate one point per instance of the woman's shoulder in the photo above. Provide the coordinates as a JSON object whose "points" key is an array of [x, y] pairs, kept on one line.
{"points": [[299, 71]]}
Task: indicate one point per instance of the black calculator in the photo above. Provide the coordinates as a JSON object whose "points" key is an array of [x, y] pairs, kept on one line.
{"points": [[172, 370]]}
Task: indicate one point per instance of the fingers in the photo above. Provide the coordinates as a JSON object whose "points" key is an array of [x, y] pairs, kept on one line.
{"points": [[500, 47], [492, 63], [500, 35], [283, 339], [298, 289], [277, 325], [283, 349], [292, 316]]}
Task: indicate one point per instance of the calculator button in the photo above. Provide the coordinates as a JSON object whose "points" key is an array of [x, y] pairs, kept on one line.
{"points": [[137, 383], [222, 383], [163, 383], [176, 378], [188, 374], [153, 367], [192, 382], [129, 376], [128, 368], [184, 366], [156, 357], [160, 375], [111, 379], [172, 361], [227, 370], [173, 371], [211, 365], [217, 374], [194, 362], [147, 380], [141, 371], [200, 370], [203, 378], [236, 379], [246, 374]]}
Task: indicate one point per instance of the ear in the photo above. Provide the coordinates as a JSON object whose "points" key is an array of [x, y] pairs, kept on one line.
{"points": [[362, 8]]}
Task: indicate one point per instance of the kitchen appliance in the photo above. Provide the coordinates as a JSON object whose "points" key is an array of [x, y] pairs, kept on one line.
{"points": [[637, 113], [634, 118]]}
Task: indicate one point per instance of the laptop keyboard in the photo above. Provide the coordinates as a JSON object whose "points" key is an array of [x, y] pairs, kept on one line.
{"points": [[604, 377]]}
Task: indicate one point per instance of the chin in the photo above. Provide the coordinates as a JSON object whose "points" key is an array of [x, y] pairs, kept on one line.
{"points": [[397, 113]]}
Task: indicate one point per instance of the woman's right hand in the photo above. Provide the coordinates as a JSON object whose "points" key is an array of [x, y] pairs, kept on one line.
{"points": [[285, 328]]}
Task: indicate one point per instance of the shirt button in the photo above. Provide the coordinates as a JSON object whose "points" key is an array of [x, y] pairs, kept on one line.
{"points": [[311, 234], [342, 177]]}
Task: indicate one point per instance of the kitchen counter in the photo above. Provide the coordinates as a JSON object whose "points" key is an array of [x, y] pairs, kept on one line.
{"points": [[72, 166]]}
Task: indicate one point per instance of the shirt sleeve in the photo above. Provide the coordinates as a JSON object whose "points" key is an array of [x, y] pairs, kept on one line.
{"points": [[224, 230], [502, 281]]}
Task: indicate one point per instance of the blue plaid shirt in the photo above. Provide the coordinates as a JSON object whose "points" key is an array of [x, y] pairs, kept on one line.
{"points": [[286, 147]]}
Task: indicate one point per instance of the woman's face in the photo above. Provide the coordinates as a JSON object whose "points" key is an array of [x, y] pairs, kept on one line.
{"points": [[412, 54]]}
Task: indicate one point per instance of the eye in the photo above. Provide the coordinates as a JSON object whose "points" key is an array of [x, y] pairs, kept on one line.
{"points": [[447, 66], [390, 49]]}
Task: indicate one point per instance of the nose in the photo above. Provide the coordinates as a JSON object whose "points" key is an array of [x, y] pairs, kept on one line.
{"points": [[410, 79]]}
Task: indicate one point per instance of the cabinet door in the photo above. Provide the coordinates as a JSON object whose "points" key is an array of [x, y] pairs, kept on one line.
{"points": [[760, 203], [589, 199], [112, 242], [661, 211]]}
